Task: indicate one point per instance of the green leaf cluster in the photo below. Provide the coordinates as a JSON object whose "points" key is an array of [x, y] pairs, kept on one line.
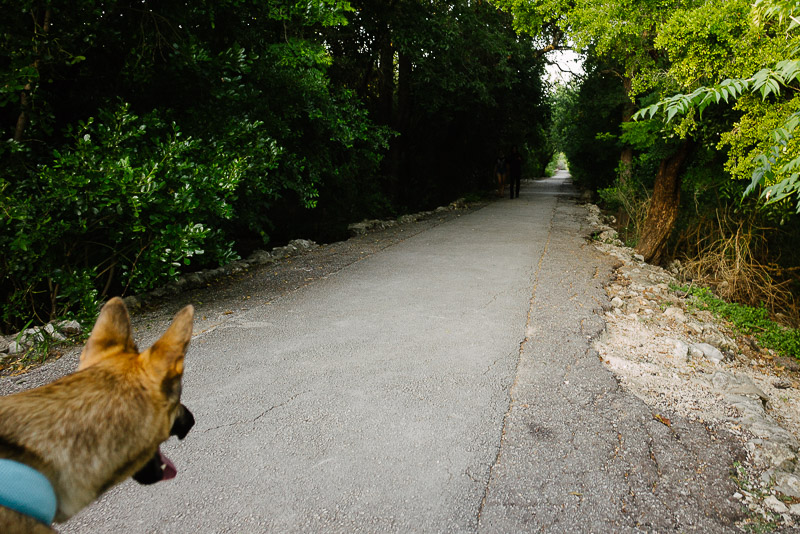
{"points": [[129, 201], [751, 321], [764, 46]]}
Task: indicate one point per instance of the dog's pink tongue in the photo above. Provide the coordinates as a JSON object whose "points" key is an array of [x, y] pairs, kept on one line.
{"points": [[169, 468]]}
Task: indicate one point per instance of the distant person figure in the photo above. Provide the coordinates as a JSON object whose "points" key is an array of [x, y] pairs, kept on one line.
{"points": [[501, 172], [514, 172]]}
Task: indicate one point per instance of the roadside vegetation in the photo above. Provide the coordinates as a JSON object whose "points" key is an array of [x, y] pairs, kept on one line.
{"points": [[145, 139], [684, 123], [748, 320]]}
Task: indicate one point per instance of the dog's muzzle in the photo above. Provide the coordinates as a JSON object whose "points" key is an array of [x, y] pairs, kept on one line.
{"points": [[159, 467]]}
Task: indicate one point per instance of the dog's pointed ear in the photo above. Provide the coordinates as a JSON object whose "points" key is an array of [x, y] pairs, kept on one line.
{"points": [[166, 354], [111, 332]]}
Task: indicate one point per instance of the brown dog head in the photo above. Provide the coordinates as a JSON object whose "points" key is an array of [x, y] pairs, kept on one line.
{"points": [[92, 429], [163, 367]]}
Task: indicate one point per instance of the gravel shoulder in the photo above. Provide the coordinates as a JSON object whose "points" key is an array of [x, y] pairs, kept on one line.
{"points": [[660, 348]]}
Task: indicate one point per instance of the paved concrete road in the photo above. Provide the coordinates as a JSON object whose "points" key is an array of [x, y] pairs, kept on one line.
{"points": [[442, 384]]}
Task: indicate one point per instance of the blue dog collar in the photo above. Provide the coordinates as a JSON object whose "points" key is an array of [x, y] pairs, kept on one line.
{"points": [[26, 490]]}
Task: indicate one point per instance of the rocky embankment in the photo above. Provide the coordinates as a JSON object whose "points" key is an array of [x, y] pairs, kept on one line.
{"points": [[683, 360]]}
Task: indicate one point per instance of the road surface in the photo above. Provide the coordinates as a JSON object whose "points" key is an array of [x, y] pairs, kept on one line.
{"points": [[443, 384]]}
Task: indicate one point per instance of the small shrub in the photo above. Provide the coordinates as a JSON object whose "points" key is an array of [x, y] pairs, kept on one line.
{"points": [[630, 201], [728, 258], [557, 162]]}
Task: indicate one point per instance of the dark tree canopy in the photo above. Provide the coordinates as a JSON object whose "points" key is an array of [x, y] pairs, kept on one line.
{"points": [[142, 139]]}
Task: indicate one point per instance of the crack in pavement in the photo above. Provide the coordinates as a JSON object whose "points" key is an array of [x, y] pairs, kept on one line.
{"points": [[259, 416], [572, 428], [498, 360], [526, 339]]}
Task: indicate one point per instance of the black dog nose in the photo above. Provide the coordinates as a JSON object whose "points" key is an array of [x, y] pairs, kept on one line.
{"points": [[183, 423]]}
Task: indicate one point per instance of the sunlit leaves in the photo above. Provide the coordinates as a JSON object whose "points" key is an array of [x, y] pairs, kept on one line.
{"points": [[775, 164]]}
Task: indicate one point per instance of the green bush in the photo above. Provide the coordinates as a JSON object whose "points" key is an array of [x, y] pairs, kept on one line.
{"points": [[120, 208], [558, 161]]}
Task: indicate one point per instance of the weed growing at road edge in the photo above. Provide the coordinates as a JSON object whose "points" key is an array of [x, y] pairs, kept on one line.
{"points": [[749, 320]]}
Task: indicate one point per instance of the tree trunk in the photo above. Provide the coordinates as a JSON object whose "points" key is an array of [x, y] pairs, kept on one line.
{"points": [[400, 123], [664, 204], [386, 81], [628, 109], [24, 105], [26, 96]]}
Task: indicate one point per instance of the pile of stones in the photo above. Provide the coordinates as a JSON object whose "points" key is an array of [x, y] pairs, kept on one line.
{"points": [[21, 342], [59, 331], [208, 276], [370, 225]]}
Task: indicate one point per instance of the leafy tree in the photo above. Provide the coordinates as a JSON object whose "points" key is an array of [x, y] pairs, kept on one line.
{"points": [[229, 118], [217, 127], [453, 80], [762, 144], [586, 126], [621, 37]]}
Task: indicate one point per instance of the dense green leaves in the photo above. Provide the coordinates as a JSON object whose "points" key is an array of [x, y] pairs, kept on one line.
{"points": [[143, 138], [775, 158]]}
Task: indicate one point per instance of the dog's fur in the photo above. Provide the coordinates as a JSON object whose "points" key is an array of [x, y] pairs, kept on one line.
{"points": [[96, 427]]}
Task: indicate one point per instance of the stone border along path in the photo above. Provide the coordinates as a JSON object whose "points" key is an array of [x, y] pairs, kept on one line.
{"points": [[57, 332], [225, 292], [684, 361]]}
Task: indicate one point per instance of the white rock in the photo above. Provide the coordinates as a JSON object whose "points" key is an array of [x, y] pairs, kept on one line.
{"points": [[638, 257], [709, 351], [675, 314], [769, 455], [674, 266], [303, 244], [617, 302], [681, 350], [718, 340], [774, 504], [738, 385], [694, 352], [694, 327], [795, 509], [15, 348], [788, 484], [69, 327], [608, 235], [32, 335]]}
